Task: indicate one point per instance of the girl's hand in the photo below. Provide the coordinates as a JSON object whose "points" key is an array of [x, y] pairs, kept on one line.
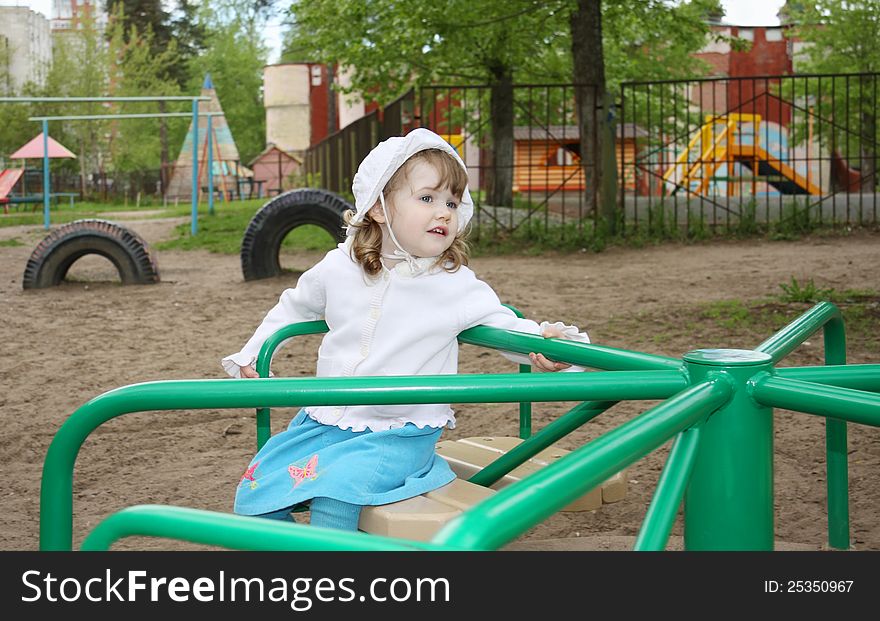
{"points": [[540, 362], [543, 364], [249, 372]]}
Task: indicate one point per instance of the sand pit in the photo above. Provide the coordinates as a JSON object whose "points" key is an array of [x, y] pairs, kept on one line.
{"points": [[67, 344]]}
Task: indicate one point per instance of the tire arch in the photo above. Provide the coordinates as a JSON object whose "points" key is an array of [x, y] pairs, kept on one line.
{"points": [[261, 244], [57, 252]]}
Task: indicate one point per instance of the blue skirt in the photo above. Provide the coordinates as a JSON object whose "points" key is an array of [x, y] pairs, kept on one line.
{"points": [[311, 459]]}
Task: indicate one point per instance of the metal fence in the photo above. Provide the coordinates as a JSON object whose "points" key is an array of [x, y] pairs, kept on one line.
{"points": [[689, 157], [744, 152], [331, 164]]}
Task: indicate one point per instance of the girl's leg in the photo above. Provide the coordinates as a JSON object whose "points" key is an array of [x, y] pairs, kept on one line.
{"points": [[332, 513], [281, 514]]}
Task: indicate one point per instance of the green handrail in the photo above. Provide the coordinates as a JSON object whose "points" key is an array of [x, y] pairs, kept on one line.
{"points": [[517, 507], [858, 376], [234, 531], [559, 428], [828, 317], [488, 525], [716, 383], [264, 361], [795, 333], [857, 406], [56, 494], [657, 525], [593, 356]]}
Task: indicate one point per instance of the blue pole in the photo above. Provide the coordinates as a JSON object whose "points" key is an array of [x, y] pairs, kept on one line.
{"points": [[46, 174], [210, 169], [194, 226]]}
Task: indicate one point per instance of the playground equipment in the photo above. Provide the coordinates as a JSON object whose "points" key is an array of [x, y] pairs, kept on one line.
{"points": [[8, 178], [718, 407], [271, 224], [44, 120], [208, 151], [727, 141], [40, 147], [52, 258]]}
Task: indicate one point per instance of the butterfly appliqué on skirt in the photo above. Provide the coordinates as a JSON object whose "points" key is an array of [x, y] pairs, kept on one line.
{"points": [[310, 471], [249, 476]]}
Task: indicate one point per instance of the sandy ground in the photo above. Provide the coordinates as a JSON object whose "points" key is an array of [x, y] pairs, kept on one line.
{"points": [[66, 345]]}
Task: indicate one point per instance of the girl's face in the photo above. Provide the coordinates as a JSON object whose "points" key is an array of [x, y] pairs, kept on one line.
{"points": [[423, 212]]}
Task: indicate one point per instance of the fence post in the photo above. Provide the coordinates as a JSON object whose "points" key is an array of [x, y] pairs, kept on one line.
{"points": [[729, 500]]}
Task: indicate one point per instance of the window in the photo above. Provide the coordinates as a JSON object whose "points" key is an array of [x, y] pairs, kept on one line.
{"points": [[565, 155]]}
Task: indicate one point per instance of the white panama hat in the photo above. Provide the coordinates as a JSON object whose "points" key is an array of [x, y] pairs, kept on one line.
{"points": [[383, 161]]}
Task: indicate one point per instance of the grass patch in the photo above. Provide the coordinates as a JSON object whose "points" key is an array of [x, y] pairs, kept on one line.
{"points": [[11, 243], [223, 231], [860, 309], [64, 213]]}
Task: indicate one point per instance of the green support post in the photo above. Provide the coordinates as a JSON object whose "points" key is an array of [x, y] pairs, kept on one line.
{"points": [[729, 500]]}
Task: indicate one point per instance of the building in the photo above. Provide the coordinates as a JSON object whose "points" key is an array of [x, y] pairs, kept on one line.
{"points": [[298, 98], [275, 170], [25, 48], [70, 14]]}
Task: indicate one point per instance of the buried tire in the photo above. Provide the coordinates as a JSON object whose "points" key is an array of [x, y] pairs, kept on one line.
{"points": [[269, 226], [52, 258]]}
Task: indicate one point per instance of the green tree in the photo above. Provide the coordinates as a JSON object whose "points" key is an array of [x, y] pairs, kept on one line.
{"points": [[841, 37], [234, 56], [393, 45], [79, 69], [389, 46], [619, 40], [135, 145]]}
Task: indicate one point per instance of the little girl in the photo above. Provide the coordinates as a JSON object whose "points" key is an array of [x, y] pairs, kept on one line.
{"points": [[395, 296]]}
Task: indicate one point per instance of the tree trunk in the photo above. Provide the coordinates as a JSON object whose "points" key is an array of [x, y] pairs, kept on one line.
{"points": [[501, 111], [163, 145], [589, 77]]}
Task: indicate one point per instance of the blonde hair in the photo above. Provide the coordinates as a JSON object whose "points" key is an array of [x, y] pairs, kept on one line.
{"points": [[367, 243]]}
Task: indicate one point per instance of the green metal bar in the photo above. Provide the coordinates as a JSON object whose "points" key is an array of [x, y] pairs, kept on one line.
{"points": [[264, 361], [836, 453], [824, 315], [594, 356], [82, 99], [133, 115], [856, 406], [56, 504], [518, 507], [654, 533], [46, 175], [525, 408], [857, 376], [194, 216], [559, 428], [794, 334], [729, 499], [233, 531]]}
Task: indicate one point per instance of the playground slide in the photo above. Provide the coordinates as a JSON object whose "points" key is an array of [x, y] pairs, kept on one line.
{"points": [[8, 178], [780, 174], [744, 140]]}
